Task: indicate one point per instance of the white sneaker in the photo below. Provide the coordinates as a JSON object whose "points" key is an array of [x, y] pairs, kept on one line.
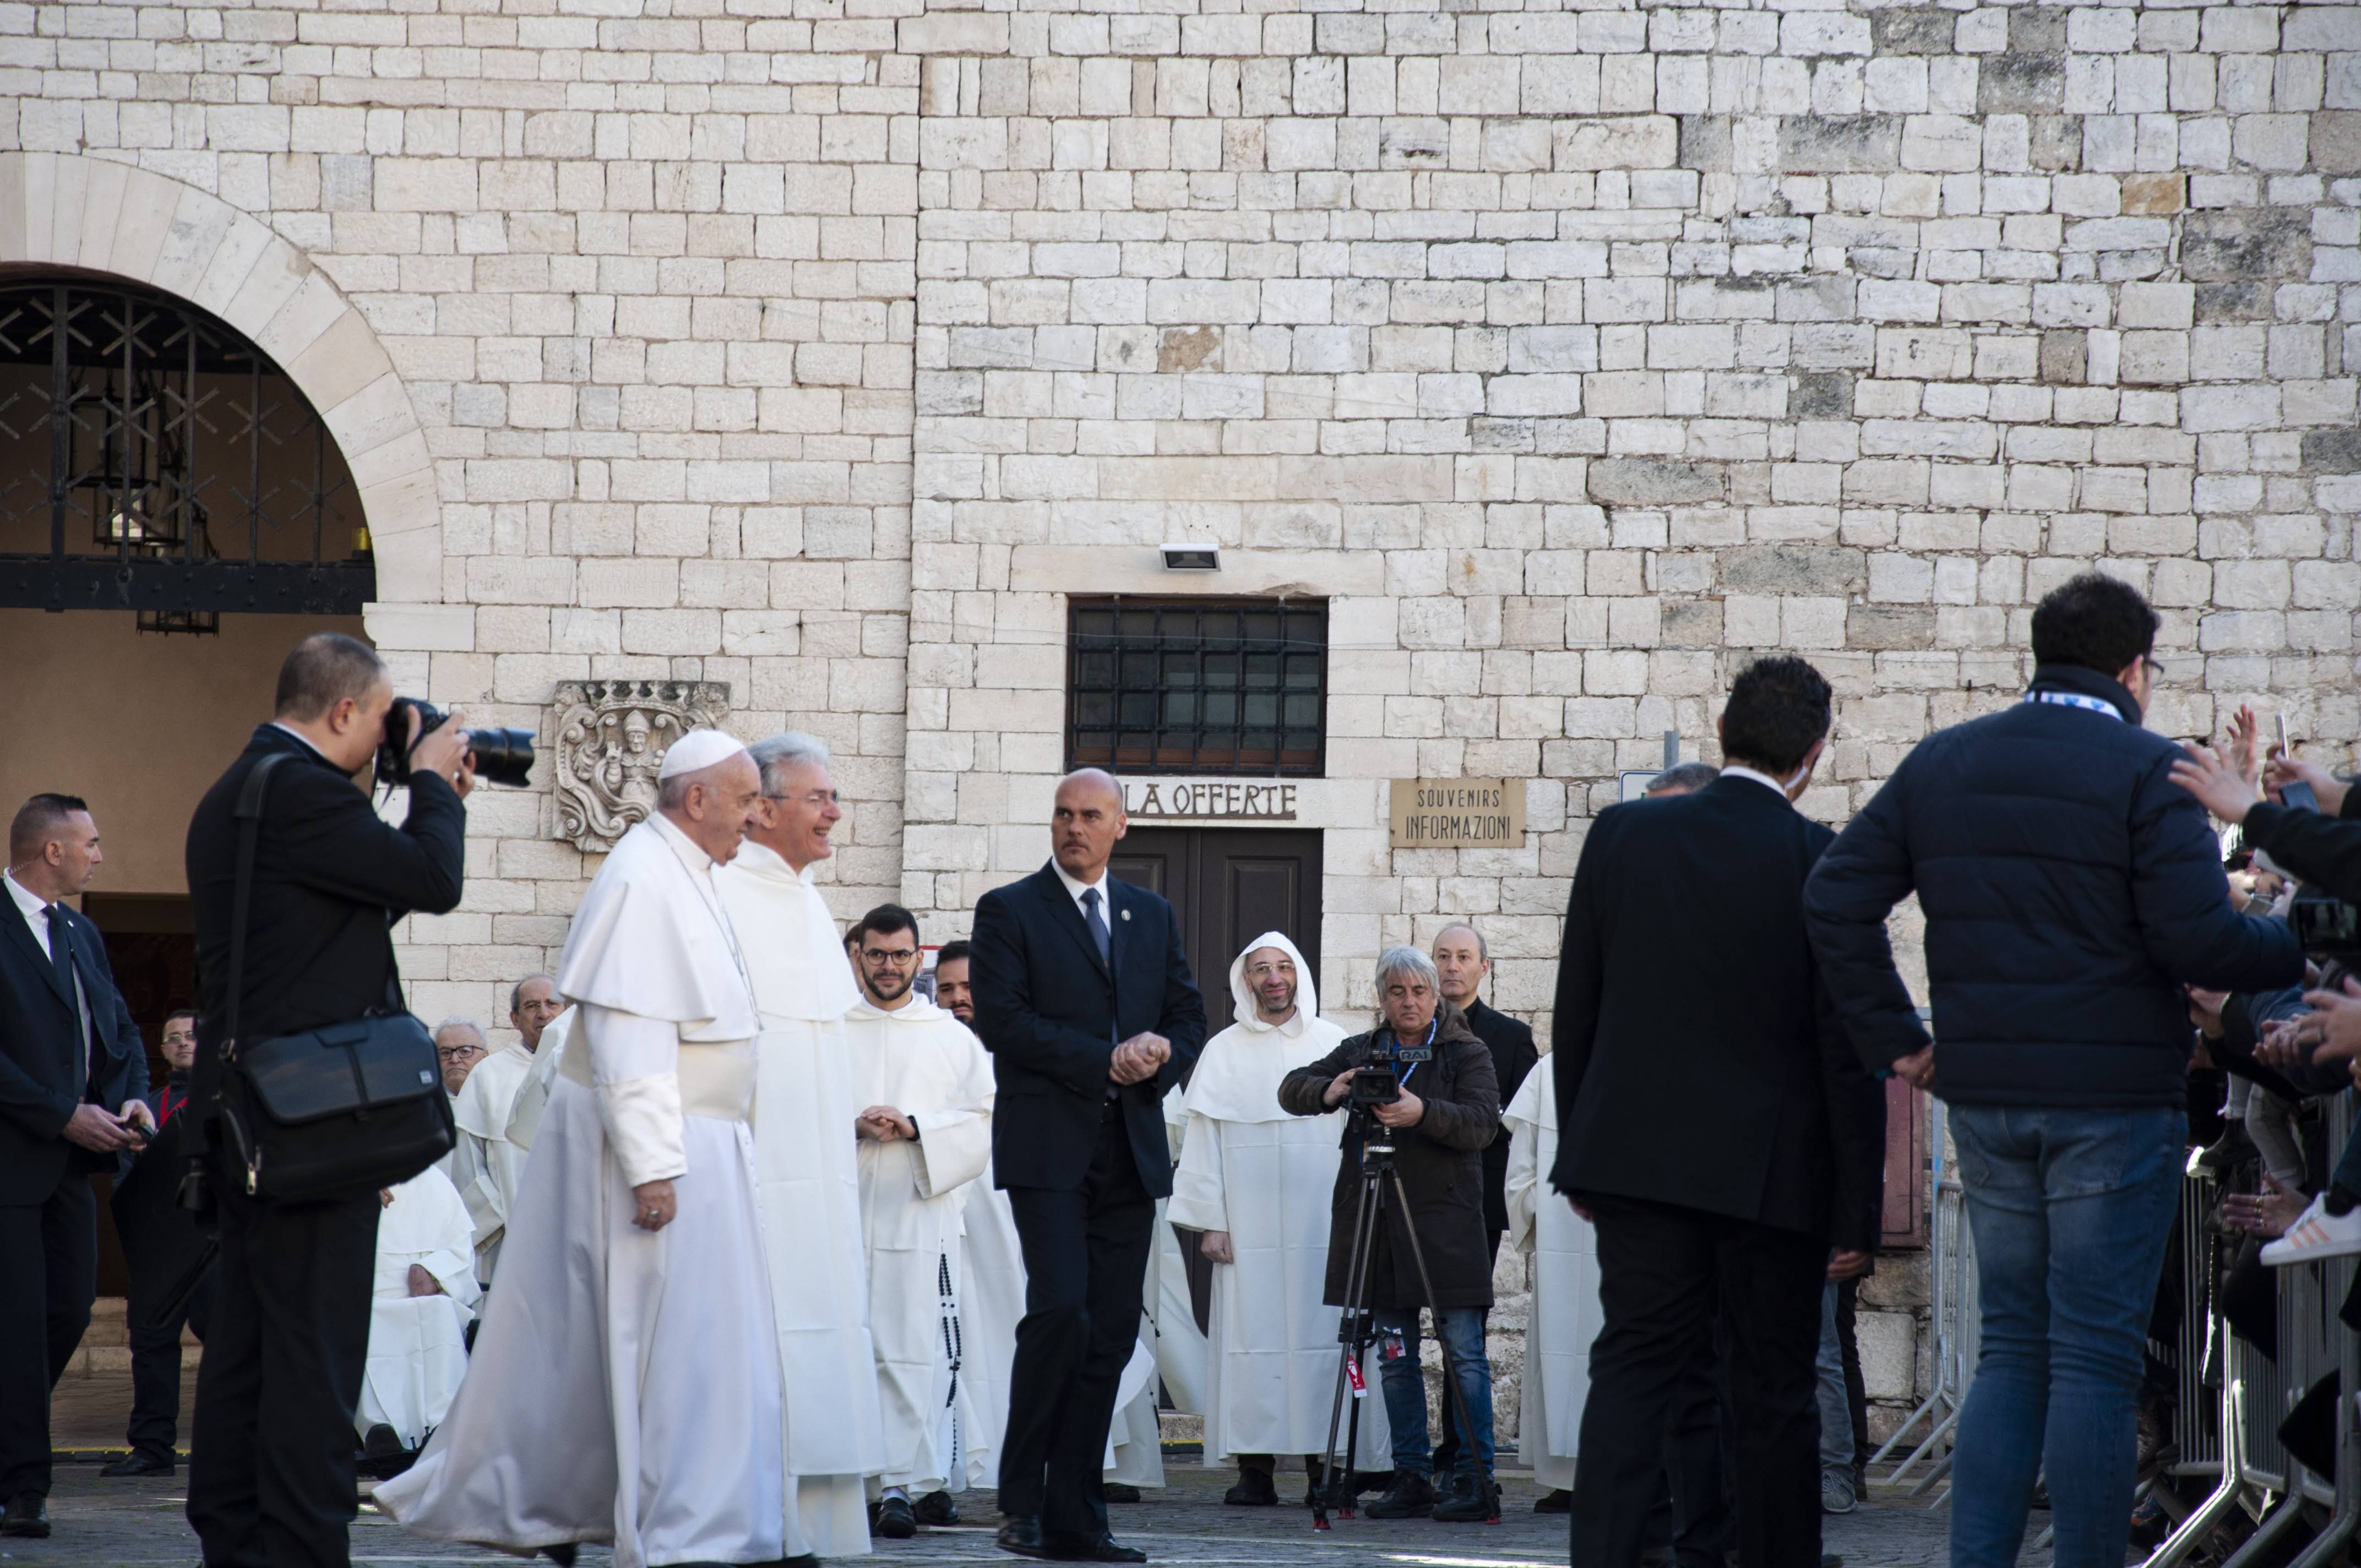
{"points": [[2316, 1233]]}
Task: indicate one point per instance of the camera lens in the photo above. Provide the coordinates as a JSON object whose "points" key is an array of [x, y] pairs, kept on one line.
{"points": [[503, 756]]}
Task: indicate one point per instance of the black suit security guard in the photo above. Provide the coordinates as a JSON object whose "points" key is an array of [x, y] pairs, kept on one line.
{"points": [[1715, 1123], [270, 1481], [1083, 996], [68, 1051]]}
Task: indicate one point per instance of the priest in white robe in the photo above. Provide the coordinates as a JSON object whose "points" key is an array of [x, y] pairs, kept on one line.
{"points": [[533, 1094], [803, 1110], [925, 1086], [1258, 1182], [425, 1297], [485, 1165], [628, 1385], [1566, 1312]]}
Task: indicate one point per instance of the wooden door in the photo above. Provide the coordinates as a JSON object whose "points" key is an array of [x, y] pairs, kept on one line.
{"points": [[1227, 886]]}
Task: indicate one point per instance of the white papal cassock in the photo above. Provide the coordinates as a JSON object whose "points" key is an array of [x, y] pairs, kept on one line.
{"points": [[1566, 1316], [627, 1384], [811, 1194], [923, 1062], [485, 1166], [1248, 1167], [418, 1344]]}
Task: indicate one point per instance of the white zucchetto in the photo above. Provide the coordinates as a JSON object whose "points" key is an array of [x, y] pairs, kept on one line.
{"points": [[698, 751]]}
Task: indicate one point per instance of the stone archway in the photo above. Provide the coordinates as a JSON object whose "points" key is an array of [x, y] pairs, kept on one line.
{"points": [[58, 210]]}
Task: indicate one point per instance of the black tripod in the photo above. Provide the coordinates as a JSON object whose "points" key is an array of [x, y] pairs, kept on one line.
{"points": [[1355, 1329]]}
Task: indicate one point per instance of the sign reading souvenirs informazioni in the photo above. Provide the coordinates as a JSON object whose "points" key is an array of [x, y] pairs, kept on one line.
{"points": [[1458, 813], [1208, 800]]}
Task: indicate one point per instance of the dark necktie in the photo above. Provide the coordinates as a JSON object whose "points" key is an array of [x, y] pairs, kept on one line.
{"points": [[1098, 927], [62, 955]]}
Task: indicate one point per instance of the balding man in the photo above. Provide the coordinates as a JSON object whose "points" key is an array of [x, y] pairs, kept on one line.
{"points": [[330, 878], [72, 1072], [1083, 996]]}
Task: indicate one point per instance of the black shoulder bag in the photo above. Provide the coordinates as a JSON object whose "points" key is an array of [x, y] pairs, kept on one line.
{"points": [[335, 1112]]}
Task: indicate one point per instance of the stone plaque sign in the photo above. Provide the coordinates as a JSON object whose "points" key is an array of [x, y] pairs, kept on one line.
{"points": [[1458, 813], [610, 740], [1209, 800]]}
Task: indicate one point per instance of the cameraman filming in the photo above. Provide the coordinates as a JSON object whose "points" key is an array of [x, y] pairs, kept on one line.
{"points": [[1442, 1107], [271, 1473]]}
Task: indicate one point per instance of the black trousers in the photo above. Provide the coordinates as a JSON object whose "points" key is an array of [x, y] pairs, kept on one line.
{"points": [[270, 1477], [1085, 1261], [1693, 1515], [45, 1288], [155, 1426], [1665, 1272]]}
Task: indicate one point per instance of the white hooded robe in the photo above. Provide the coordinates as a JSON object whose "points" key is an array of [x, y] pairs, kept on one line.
{"points": [[485, 1166], [1250, 1168], [923, 1062], [418, 1344], [804, 1108], [1567, 1317]]}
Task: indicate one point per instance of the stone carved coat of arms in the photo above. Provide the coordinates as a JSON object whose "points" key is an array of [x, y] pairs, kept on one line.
{"points": [[611, 737]]}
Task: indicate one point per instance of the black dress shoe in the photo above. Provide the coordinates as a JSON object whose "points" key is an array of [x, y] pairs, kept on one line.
{"points": [[1084, 1549], [27, 1516], [1119, 1492], [935, 1510], [1021, 1533], [1557, 1500], [894, 1519], [137, 1464], [562, 1554]]}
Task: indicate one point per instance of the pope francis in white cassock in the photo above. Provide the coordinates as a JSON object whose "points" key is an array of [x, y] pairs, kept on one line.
{"points": [[628, 1385], [1566, 1312], [424, 1298], [1258, 1181], [925, 1086]]}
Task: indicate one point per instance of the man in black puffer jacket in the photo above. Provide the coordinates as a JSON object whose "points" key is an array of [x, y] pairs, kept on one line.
{"points": [[2070, 890]]}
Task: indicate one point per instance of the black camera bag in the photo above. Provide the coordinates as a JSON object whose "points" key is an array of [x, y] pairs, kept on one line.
{"points": [[332, 1113]]}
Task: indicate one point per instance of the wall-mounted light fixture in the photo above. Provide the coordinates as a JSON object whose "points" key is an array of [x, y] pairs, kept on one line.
{"points": [[1185, 556]]}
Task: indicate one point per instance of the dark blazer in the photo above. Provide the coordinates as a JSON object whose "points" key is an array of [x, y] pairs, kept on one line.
{"points": [[330, 879], [2069, 887], [1442, 1164], [1511, 1041], [39, 1022], [1051, 1014], [160, 1240], [1699, 1061]]}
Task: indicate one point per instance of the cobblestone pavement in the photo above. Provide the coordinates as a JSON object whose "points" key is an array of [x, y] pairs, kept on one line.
{"points": [[140, 1523]]}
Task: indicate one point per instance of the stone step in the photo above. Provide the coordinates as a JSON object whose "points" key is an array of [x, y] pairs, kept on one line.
{"points": [[106, 1344]]}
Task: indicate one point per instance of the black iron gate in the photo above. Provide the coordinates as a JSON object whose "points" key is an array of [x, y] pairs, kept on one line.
{"points": [[152, 459]]}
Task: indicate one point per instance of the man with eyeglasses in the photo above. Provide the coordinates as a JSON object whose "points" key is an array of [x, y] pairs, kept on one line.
{"points": [[925, 1134], [807, 1167], [458, 1046]]}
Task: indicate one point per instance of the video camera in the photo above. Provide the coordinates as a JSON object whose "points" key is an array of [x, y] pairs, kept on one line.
{"points": [[1378, 1081], [2325, 925], [502, 756]]}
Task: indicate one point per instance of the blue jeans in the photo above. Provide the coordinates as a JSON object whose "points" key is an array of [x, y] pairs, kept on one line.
{"points": [[2071, 1211], [1836, 1405], [1461, 1329]]}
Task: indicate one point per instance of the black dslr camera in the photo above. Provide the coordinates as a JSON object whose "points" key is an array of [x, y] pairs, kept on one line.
{"points": [[502, 756], [1378, 1081]]}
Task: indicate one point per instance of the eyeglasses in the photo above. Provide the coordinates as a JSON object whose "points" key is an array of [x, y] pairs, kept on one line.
{"points": [[880, 956], [454, 1053], [818, 799]]}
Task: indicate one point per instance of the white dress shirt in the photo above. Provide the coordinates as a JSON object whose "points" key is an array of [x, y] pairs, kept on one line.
{"points": [[36, 913], [1076, 888]]}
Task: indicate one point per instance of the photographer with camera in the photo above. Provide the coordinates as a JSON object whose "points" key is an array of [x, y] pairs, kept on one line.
{"points": [[1422, 1076], [272, 1478]]}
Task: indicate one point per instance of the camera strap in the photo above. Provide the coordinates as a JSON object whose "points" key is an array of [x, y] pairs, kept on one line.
{"points": [[250, 831]]}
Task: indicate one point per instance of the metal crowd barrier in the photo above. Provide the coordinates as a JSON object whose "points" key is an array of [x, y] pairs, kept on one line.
{"points": [[2228, 1431], [2256, 1392]]}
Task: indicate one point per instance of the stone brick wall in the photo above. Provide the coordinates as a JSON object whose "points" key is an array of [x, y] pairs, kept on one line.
{"points": [[1575, 353]]}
